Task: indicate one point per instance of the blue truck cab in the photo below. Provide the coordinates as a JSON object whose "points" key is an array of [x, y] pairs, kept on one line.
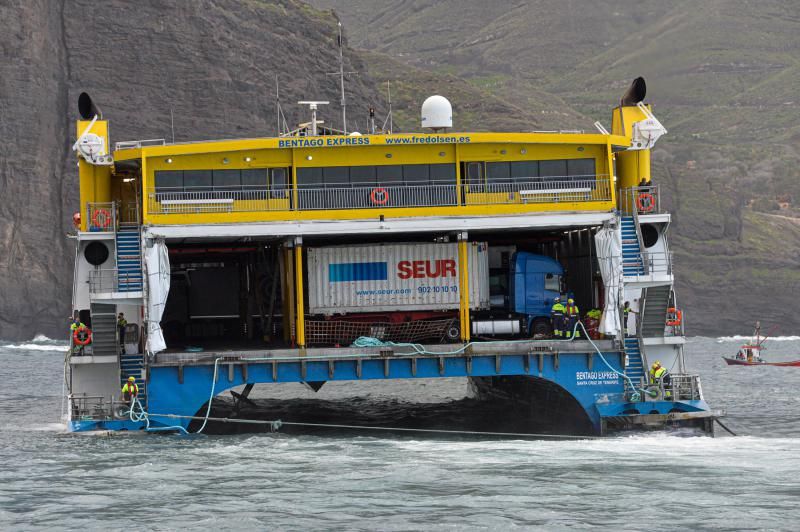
{"points": [[535, 282]]}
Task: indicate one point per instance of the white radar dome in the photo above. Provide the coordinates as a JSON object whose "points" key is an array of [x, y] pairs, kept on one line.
{"points": [[437, 113]]}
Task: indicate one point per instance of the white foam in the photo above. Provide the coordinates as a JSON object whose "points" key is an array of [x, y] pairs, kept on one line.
{"points": [[40, 338], [740, 338], [35, 347]]}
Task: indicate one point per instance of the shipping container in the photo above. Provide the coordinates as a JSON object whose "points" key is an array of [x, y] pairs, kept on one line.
{"points": [[394, 277]]}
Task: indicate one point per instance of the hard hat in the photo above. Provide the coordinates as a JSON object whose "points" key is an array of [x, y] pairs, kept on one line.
{"points": [[131, 379], [570, 300]]}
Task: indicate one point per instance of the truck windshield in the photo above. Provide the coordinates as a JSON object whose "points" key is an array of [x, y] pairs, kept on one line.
{"points": [[552, 282]]}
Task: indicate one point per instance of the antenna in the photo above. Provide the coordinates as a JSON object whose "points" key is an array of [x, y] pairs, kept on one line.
{"points": [[281, 118], [312, 105], [341, 80], [172, 124], [389, 115]]}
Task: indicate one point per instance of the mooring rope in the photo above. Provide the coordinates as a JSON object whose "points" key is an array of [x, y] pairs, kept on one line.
{"points": [[275, 425]]}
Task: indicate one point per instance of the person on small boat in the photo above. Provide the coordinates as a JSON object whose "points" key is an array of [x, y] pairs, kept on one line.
{"points": [[130, 390]]}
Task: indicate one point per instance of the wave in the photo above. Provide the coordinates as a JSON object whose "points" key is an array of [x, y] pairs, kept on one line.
{"points": [[35, 347], [747, 338], [40, 342]]}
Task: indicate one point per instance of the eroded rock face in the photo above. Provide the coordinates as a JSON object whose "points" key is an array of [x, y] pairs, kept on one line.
{"points": [[212, 62]]}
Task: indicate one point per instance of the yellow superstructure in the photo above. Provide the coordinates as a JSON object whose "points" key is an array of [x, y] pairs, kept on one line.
{"points": [[472, 156]]}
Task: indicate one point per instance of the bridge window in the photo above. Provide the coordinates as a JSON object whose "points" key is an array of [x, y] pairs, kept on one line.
{"points": [[363, 176], [555, 170], [581, 168], [498, 172], [227, 180], [524, 170], [197, 180], [390, 174], [169, 181]]}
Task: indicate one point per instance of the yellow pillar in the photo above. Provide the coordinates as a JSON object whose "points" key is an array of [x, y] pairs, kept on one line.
{"points": [[298, 283], [463, 285], [632, 165]]}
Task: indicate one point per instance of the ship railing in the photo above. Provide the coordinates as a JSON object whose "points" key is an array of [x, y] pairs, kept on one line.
{"points": [[101, 217], [551, 189], [684, 387], [648, 263], [92, 406], [640, 200], [135, 144], [436, 193], [109, 280]]}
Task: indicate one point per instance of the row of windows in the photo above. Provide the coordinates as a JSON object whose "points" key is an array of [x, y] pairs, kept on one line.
{"points": [[367, 176], [514, 171], [476, 173], [221, 180]]}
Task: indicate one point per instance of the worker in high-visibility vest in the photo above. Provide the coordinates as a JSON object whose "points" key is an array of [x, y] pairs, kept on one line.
{"points": [[660, 376], [130, 390], [571, 315], [557, 317]]}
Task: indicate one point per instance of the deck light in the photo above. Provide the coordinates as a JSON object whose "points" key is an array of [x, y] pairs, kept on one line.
{"points": [[441, 154], [248, 159], [225, 160], [388, 155], [503, 152], [580, 148], [308, 157], [523, 151], [168, 160]]}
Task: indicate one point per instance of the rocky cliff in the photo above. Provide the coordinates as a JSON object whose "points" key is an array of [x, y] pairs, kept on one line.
{"points": [[213, 63]]}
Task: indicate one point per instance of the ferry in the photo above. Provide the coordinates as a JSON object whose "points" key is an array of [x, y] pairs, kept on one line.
{"points": [[317, 255]]}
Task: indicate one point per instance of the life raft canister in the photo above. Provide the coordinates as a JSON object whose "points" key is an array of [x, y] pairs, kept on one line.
{"points": [[82, 336], [645, 202], [674, 317], [101, 218], [379, 196]]}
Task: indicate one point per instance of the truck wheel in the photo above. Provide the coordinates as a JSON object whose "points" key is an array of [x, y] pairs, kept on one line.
{"points": [[453, 333], [541, 327]]}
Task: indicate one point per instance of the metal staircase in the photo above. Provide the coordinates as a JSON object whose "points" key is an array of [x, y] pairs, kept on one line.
{"points": [[632, 263], [104, 330], [635, 368], [653, 317], [129, 259]]}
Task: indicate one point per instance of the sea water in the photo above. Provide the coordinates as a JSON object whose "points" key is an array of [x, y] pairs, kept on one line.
{"points": [[342, 480]]}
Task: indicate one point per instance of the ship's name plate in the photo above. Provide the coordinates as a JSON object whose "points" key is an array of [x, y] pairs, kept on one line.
{"points": [[596, 378]]}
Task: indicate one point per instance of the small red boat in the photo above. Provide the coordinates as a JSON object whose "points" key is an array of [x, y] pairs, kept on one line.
{"points": [[750, 354], [737, 362]]}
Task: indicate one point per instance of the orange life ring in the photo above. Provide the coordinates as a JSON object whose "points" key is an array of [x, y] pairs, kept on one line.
{"points": [[101, 218], [648, 205], [384, 196], [674, 317], [86, 339]]}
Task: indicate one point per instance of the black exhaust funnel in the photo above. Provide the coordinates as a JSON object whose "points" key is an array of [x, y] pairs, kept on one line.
{"points": [[86, 107], [635, 93]]}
